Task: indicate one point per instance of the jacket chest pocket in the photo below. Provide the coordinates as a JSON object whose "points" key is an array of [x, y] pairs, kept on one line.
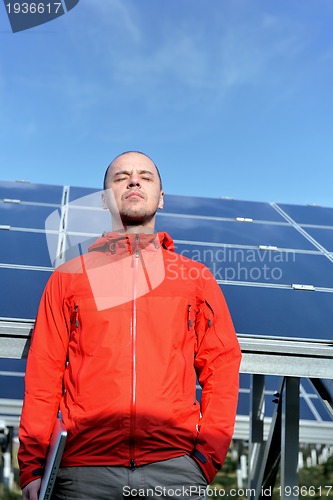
{"points": [[90, 335]]}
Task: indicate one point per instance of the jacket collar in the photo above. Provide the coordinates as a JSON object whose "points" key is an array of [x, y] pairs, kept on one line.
{"points": [[113, 242]]}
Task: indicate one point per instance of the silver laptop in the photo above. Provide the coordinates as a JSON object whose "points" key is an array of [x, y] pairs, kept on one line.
{"points": [[53, 459]]}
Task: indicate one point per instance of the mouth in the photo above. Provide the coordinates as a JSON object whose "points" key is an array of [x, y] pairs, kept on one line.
{"points": [[134, 194]]}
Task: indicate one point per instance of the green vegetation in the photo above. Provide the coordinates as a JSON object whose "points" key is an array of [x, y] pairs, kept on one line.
{"points": [[9, 495], [314, 483]]}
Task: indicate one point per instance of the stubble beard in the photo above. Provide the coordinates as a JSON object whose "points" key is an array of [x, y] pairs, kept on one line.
{"points": [[136, 217]]}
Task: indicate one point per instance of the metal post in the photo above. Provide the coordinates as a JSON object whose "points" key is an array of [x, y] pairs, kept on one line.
{"points": [[267, 458], [256, 440], [290, 439]]}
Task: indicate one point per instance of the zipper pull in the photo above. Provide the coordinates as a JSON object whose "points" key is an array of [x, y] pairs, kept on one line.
{"points": [[76, 316], [136, 245], [135, 254], [189, 321], [132, 464]]}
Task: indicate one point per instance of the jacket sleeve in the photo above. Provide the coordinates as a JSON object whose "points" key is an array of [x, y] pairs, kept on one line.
{"points": [[217, 364], [43, 380]]}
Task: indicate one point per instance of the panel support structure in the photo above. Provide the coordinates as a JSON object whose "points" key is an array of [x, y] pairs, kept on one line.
{"points": [[280, 357], [256, 441], [264, 465], [282, 442], [290, 438]]}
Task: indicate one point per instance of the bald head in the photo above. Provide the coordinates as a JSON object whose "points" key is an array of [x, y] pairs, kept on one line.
{"points": [[109, 168]]}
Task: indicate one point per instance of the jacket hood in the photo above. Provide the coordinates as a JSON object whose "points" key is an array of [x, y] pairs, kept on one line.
{"points": [[113, 241]]}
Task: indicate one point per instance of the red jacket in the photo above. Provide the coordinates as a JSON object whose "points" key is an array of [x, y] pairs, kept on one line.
{"points": [[121, 335]]}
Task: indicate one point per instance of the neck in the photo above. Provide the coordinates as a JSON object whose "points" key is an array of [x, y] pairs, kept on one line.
{"points": [[134, 229]]}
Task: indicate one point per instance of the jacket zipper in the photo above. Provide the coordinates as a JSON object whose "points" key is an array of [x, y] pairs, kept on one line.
{"points": [[135, 264]]}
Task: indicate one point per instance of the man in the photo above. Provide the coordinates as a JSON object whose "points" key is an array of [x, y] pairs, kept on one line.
{"points": [[119, 340]]}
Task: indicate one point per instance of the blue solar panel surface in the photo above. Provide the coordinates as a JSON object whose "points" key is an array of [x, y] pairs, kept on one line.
{"points": [[23, 215], [256, 251], [233, 233], [24, 248], [78, 194], [222, 208], [276, 312], [22, 291], [35, 193], [321, 216], [323, 236], [253, 265]]}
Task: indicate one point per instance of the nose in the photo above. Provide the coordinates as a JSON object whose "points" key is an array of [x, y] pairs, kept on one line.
{"points": [[134, 181]]}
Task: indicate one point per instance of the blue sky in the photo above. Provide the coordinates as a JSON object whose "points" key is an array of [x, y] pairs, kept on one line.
{"points": [[229, 97]]}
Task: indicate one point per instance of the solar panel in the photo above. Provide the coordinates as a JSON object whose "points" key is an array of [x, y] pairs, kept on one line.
{"points": [[255, 265], [321, 216], [11, 388], [223, 208], [24, 248], [23, 215], [233, 232], [323, 236], [78, 195], [280, 312], [35, 193], [22, 290], [90, 221]]}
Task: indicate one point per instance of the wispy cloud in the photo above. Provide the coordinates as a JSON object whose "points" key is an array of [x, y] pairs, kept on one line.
{"points": [[119, 52], [168, 61], [199, 61], [110, 21]]}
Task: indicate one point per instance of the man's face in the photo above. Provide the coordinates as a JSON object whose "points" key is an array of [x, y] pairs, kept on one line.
{"points": [[133, 190]]}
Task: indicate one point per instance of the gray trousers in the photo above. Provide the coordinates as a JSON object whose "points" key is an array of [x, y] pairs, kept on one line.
{"points": [[178, 478]]}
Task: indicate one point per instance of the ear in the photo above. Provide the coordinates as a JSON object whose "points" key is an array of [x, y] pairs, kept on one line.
{"points": [[161, 201], [104, 202]]}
